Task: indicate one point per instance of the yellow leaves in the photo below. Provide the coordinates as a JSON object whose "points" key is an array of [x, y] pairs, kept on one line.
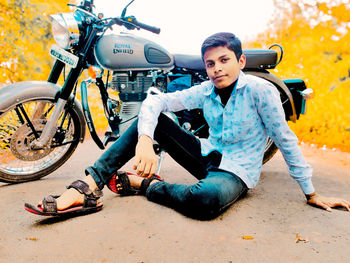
{"points": [[25, 35], [315, 56], [323, 7], [247, 237], [32, 238], [299, 239], [341, 13]]}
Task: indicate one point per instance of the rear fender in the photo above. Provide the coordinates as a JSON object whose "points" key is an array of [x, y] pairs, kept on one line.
{"points": [[22, 92], [296, 87], [289, 105]]}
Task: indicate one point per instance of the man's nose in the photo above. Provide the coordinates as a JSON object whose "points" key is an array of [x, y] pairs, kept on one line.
{"points": [[217, 68]]}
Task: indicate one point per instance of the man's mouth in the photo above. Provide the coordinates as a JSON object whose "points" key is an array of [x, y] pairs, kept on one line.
{"points": [[219, 77]]}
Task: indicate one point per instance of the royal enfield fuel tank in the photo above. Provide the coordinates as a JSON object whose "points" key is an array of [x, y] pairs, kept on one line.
{"points": [[128, 52]]}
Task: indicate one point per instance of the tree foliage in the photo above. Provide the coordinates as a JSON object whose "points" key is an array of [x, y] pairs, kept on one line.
{"points": [[316, 39], [25, 38]]}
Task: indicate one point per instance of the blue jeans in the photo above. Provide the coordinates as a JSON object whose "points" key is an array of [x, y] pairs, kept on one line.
{"points": [[215, 190]]}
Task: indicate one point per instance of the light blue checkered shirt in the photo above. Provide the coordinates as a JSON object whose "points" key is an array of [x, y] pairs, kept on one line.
{"points": [[239, 130]]}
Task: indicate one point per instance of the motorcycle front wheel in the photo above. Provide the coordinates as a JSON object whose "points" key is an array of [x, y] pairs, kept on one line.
{"points": [[20, 126]]}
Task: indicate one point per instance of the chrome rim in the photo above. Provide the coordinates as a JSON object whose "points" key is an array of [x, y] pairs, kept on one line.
{"points": [[16, 155]]}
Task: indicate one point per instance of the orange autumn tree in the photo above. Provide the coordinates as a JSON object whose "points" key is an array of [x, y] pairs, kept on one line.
{"points": [[25, 38], [315, 36]]}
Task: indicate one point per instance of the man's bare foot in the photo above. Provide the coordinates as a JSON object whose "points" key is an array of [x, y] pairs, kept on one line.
{"points": [[72, 197], [69, 198], [135, 180]]}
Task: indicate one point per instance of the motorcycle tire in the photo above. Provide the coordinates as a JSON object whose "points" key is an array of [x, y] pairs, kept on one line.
{"points": [[270, 150], [19, 161]]}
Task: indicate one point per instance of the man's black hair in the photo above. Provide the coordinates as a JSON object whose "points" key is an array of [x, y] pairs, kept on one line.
{"points": [[223, 39]]}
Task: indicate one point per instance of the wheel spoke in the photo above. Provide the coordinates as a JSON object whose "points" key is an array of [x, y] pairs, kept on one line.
{"points": [[17, 159], [19, 115]]}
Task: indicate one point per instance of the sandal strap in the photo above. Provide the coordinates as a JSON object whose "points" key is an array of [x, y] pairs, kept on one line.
{"points": [[123, 180], [90, 197], [49, 204], [84, 188], [146, 183]]}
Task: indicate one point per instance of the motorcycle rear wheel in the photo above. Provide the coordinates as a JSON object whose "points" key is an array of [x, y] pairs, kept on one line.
{"points": [[270, 150], [19, 161]]}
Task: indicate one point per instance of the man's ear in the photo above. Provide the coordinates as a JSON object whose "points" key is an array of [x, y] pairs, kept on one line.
{"points": [[242, 61]]}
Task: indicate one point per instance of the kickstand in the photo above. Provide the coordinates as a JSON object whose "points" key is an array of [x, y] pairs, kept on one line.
{"points": [[161, 157], [109, 137]]}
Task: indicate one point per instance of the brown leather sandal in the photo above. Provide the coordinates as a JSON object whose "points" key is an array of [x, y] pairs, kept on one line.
{"points": [[120, 184], [49, 205]]}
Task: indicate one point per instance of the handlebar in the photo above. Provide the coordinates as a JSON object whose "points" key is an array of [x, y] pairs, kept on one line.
{"points": [[153, 29], [130, 23]]}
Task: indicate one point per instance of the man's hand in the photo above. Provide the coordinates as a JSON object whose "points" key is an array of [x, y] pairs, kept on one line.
{"points": [[146, 161], [327, 202]]}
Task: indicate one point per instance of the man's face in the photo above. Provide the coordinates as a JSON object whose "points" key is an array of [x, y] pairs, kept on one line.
{"points": [[222, 66]]}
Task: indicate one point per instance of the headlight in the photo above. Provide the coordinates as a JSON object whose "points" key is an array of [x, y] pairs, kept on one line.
{"points": [[65, 29]]}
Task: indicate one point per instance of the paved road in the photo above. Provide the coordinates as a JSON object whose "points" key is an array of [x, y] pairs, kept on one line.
{"points": [[131, 229]]}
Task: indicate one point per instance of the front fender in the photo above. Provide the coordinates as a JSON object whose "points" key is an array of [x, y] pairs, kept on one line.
{"points": [[21, 92]]}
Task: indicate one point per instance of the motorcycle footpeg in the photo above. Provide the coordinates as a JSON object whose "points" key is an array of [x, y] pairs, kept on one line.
{"points": [[109, 137]]}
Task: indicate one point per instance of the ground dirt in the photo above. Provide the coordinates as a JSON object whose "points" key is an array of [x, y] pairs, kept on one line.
{"points": [[272, 223]]}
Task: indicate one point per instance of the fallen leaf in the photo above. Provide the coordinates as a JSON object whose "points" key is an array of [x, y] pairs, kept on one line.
{"points": [[299, 239], [32, 238]]}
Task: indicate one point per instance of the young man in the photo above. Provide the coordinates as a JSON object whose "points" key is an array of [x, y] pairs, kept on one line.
{"points": [[241, 111]]}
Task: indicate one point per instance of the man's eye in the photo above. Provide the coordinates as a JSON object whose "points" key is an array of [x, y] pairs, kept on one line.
{"points": [[225, 60], [209, 65]]}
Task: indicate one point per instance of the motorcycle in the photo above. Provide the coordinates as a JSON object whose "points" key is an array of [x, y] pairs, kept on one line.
{"points": [[42, 123]]}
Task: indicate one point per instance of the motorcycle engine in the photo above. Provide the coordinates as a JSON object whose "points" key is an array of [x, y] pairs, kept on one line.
{"points": [[132, 86], [132, 90]]}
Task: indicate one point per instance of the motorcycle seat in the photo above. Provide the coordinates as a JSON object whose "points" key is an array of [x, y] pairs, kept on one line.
{"points": [[260, 58], [193, 62], [256, 59]]}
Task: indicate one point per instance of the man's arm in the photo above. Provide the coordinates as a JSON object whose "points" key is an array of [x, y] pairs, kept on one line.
{"points": [[146, 161], [271, 111], [269, 106]]}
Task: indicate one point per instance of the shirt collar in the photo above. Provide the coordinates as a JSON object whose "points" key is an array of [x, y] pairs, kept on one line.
{"points": [[242, 81]]}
